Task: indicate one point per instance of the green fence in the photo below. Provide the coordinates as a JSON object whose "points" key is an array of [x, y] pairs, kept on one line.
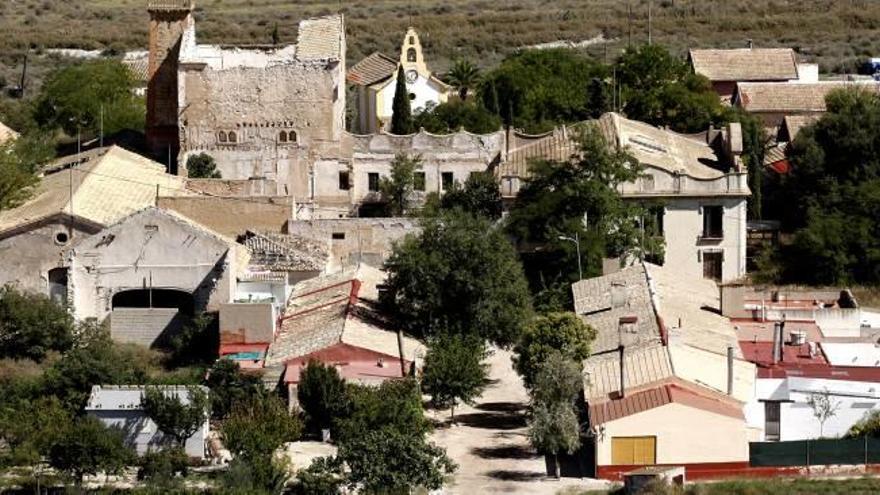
{"points": [[815, 452]]}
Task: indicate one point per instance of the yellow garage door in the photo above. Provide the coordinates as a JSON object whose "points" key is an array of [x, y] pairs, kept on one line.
{"points": [[630, 451]]}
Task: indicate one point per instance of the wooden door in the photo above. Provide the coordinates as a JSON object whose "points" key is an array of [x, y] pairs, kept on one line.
{"points": [[632, 451]]}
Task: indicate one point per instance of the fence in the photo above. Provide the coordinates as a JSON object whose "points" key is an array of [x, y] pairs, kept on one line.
{"points": [[815, 452]]}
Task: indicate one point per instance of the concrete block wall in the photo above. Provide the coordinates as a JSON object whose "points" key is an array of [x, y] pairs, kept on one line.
{"points": [[145, 326]]}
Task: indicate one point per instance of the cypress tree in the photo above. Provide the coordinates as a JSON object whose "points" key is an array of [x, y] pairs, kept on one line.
{"points": [[401, 116]]}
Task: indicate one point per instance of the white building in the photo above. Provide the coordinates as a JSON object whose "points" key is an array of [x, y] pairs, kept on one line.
{"points": [[120, 407], [376, 78], [697, 185]]}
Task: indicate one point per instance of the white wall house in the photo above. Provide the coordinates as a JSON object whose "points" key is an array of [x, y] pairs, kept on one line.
{"points": [[120, 407], [782, 405], [376, 81]]}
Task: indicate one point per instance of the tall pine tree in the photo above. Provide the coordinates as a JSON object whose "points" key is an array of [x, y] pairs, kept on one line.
{"points": [[401, 116]]}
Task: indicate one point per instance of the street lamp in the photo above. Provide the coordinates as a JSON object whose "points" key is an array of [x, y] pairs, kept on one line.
{"points": [[577, 242]]}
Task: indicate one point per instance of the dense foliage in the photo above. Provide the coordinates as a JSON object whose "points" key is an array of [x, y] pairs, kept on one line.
{"points": [[32, 325], [90, 96], [175, 417], [395, 404], [89, 447], [538, 89], [397, 189], [458, 275], [322, 395], [836, 177], [454, 371], [230, 385], [401, 111], [480, 195], [256, 428], [548, 334], [455, 115], [202, 166]]}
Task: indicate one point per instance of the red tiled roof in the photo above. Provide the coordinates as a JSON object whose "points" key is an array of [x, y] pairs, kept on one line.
{"points": [[374, 68], [673, 391], [762, 331]]}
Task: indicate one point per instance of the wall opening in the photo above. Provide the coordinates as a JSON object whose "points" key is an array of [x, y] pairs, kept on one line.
{"points": [[58, 285], [411, 55], [155, 298]]}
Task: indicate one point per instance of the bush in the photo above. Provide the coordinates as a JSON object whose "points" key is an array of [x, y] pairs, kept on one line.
{"points": [[396, 404], [562, 333], [31, 325], [202, 166], [324, 476], [321, 393], [454, 370], [162, 465], [229, 386], [256, 428], [454, 115]]}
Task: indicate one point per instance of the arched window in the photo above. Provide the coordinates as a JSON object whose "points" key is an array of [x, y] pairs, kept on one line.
{"points": [[291, 136], [411, 55], [221, 136], [232, 137], [282, 137], [412, 40]]}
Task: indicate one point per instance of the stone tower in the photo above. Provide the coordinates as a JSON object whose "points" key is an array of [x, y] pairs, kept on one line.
{"points": [[169, 20]]}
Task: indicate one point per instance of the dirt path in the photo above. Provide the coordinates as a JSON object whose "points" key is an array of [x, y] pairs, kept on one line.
{"points": [[490, 445]]}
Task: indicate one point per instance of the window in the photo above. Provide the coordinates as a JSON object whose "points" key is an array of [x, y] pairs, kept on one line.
{"points": [[419, 181], [411, 55], [712, 222], [221, 136], [654, 221], [412, 96], [373, 181], [647, 183], [344, 183], [446, 180], [61, 238], [412, 40], [338, 236], [291, 136], [632, 451], [772, 418], [232, 137], [282, 137], [712, 263]]}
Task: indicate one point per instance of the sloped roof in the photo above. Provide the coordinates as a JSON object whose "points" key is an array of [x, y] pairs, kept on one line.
{"points": [[602, 301], [321, 38], [128, 397], [673, 391], [276, 252], [745, 64], [6, 133], [333, 309], [372, 69], [791, 97], [642, 365], [557, 145], [794, 123], [137, 64], [107, 186], [661, 148]]}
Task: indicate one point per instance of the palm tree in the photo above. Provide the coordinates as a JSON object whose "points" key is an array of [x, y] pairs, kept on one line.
{"points": [[463, 77]]}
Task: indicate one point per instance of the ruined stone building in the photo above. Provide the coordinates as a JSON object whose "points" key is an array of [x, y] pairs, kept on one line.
{"points": [[262, 112]]}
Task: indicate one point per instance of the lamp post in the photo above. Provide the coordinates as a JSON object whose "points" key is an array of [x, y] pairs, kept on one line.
{"points": [[577, 242]]}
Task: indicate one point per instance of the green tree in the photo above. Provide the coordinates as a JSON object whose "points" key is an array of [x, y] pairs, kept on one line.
{"points": [[28, 428], [175, 417], [322, 395], [260, 476], [401, 112], [660, 89], [577, 197], [454, 370], [397, 190], [161, 468], [536, 90], [868, 426], [834, 160], [480, 195], [455, 115], [32, 325], [548, 334], [461, 275], [66, 101], [464, 77], [554, 428], [229, 385], [559, 379], [257, 428], [202, 166], [324, 476], [386, 460], [395, 404], [18, 164], [599, 99], [88, 447]]}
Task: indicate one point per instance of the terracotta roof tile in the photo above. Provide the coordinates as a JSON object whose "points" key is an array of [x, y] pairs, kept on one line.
{"points": [[321, 38], [791, 97], [374, 68], [745, 64]]}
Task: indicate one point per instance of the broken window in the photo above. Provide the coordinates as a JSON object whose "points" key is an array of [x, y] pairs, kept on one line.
{"points": [[713, 227], [446, 180], [419, 181], [373, 181], [713, 262], [344, 183]]}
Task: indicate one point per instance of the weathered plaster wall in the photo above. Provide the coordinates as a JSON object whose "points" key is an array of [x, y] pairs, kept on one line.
{"points": [[683, 228], [27, 256], [233, 216], [366, 239], [149, 245], [247, 323]]}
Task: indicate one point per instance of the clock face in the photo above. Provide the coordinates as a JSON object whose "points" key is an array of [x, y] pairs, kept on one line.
{"points": [[411, 76]]}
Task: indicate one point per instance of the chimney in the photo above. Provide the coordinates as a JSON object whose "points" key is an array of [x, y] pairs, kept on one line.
{"points": [[730, 370], [776, 344], [781, 338], [622, 380]]}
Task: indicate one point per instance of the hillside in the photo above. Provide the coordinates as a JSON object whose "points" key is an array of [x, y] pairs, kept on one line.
{"points": [[833, 32]]}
